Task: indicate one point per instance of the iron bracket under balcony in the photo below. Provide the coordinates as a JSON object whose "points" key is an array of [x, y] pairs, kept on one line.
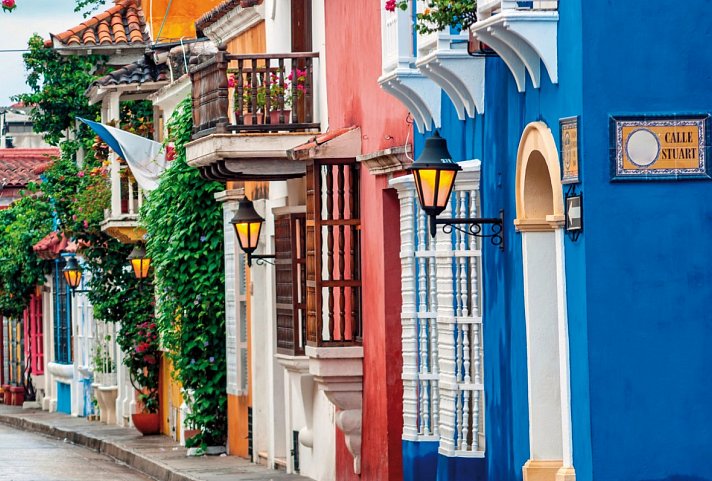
{"points": [[445, 60], [524, 35]]}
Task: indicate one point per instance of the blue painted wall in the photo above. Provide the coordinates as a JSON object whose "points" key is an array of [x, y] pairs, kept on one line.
{"points": [[647, 250], [494, 138], [639, 280], [64, 398]]}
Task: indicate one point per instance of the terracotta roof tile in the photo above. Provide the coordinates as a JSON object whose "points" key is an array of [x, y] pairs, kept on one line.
{"points": [[141, 71], [121, 24], [51, 246], [17, 166]]}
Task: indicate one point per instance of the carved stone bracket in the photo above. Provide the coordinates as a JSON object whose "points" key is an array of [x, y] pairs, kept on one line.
{"points": [[339, 373]]}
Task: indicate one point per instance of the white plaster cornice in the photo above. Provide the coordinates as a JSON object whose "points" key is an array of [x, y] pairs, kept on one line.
{"points": [[235, 23], [387, 161]]}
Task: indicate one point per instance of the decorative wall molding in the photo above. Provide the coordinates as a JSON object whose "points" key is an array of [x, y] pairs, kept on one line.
{"points": [[419, 94], [387, 161], [522, 37], [235, 23], [400, 78], [443, 57], [339, 373], [460, 75]]}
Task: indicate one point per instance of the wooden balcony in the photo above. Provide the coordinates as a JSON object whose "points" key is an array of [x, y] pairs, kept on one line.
{"points": [[248, 111], [121, 219]]}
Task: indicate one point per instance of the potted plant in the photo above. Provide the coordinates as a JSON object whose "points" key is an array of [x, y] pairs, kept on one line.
{"points": [[139, 341]]}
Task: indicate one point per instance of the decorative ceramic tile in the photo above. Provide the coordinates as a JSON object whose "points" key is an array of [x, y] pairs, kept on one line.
{"points": [[659, 147], [570, 158]]}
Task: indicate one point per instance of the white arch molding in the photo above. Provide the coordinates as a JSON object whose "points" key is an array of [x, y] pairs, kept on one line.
{"points": [[540, 219]]}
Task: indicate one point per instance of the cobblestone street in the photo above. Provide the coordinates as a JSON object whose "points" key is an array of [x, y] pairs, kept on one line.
{"points": [[33, 457]]}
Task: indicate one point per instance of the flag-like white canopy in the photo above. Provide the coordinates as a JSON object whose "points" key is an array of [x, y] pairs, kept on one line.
{"points": [[146, 158]]}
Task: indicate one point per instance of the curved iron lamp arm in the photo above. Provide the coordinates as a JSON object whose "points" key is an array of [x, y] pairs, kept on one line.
{"points": [[473, 226]]}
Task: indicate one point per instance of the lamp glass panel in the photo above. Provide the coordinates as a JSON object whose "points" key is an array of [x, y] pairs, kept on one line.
{"points": [[426, 184], [446, 181], [73, 278], [248, 235], [140, 266]]}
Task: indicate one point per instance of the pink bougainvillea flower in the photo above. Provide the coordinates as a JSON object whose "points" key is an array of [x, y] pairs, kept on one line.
{"points": [[391, 5], [86, 224], [8, 5], [231, 82], [170, 153], [80, 173]]}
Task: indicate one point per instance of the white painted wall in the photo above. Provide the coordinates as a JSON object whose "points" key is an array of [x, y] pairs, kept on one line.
{"points": [[540, 304]]}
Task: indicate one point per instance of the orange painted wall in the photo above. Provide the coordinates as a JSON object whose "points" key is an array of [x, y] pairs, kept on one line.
{"points": [[251, 41], [180, 19]]}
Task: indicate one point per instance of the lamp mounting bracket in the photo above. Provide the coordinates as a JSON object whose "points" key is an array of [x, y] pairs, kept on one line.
{"points": [[260, 260], [473, 226]]}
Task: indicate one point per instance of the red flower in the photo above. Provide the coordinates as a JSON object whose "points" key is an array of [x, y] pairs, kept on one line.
{"points": [[8, 5], [170, 153], [391, 5]]}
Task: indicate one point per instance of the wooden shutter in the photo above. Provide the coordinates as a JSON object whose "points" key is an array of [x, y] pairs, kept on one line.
{"points": [[333, 253], [290, 278]]}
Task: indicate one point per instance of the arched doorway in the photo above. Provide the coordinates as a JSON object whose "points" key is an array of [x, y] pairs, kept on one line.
{"points": [[540, 219]]}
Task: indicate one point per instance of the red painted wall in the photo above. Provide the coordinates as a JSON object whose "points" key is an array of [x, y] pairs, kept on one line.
{"points": [[353, 62]]}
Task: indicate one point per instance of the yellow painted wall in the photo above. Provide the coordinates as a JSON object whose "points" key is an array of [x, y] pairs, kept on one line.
{"points": [[169, 399], [180, 18]]}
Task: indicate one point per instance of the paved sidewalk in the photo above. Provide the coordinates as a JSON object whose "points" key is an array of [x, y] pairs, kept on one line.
{"points": [[157, 456]]}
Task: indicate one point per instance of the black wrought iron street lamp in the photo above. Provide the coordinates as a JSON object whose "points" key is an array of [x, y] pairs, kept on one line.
{"points": [[248, 224], [72, 274], [434, 173], [140, 262]]}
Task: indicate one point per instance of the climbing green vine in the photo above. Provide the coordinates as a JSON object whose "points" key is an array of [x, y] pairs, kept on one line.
{"points": [[184, 226], [23, 225]]}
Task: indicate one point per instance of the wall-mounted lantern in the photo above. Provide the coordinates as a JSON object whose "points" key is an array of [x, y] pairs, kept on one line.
{"points": [[248, 224], [434, 173], [72, 274], [140, 262]]}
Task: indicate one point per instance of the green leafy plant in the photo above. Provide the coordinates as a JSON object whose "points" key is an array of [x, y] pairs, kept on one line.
{"points": [[184, 228], [57, 83], [440, 14], [25, 223]]}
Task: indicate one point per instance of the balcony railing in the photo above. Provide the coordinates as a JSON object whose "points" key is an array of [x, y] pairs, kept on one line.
{"points": [[397, 38], [126, 195], [254, 93], [444, 39], [487, 8], [333, 255]]}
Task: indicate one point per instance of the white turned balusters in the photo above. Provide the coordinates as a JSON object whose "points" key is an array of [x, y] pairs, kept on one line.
{"points": [[443, 395]]}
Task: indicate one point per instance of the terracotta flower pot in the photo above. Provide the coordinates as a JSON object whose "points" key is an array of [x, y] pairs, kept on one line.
{"points": [[147, 423], [247, 119], [274, 117], [189, 433], [17, 395]]}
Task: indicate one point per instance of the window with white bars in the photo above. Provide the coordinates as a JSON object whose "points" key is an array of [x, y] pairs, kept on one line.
{"points": [[443, 390], [235, 308]]}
